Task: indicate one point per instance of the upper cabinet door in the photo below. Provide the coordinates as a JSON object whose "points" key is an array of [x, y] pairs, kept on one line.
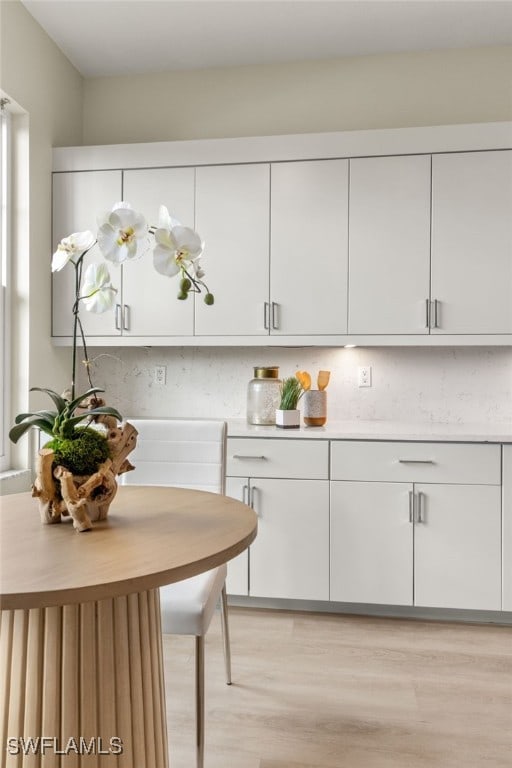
{"points": [[389, 245], [308, 252], [79, 197], [232, 217], [150, 299], [472, 242]]}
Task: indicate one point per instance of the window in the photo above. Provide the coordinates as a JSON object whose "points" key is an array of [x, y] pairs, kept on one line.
{"points": [[5, 219]]}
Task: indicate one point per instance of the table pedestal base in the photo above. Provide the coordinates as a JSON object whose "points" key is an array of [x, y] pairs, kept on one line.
{"points": [[83, 685]]}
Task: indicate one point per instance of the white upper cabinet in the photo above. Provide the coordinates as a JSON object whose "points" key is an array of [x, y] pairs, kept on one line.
{"points": [[308, 247], [232, 217], [78, 199], [396, 237], [150, 303], [472, 242], [389, 245]]}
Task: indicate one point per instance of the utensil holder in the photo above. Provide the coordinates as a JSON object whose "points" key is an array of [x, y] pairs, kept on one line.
{"points": [[315, 407]]}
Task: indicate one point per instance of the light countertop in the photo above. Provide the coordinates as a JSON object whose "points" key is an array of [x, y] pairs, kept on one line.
{"points": [[381, 430]]}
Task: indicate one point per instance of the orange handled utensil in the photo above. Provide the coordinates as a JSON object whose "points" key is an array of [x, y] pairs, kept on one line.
{"points": [[305, 379], [323, 379]]}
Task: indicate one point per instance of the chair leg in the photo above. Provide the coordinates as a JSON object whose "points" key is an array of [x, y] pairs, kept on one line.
{"points": [[225, 633], [199, 701]]}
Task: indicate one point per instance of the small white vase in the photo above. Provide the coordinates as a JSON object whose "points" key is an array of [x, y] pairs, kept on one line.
{"points": [[288, 419]]}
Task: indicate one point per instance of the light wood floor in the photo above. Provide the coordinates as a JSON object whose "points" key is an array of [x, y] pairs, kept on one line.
{"points": [[324, 691]]}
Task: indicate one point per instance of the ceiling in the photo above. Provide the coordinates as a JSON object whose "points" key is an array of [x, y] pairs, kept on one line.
{"points": [[117, 37]]}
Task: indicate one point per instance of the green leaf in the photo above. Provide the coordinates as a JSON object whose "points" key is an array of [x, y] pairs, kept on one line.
{"points": [[49, 415], [59, 401], [16, 432], [76, 402], [105, 410]]}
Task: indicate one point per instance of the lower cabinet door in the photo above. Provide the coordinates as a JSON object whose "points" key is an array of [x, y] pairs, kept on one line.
{"points": [[237, 582], [457, 546], [290, 555], [371, 542]]}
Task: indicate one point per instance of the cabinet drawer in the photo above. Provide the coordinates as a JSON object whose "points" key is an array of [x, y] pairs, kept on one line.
{"points": [[264, 457], [416, 462]]}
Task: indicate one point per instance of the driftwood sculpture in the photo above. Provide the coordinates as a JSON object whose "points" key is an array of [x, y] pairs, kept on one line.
{"points": [[85, 498]]}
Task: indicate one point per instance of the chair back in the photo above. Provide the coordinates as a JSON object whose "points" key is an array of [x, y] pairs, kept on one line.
{"points": [[185, 453]]}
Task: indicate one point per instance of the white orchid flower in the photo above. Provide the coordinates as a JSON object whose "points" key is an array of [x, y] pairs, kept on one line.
{"points": [[123, 234], [165, 220], [71, 248], [98, 294], [176, 248]]}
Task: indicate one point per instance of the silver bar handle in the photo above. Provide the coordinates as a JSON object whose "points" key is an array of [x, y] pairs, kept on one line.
{"points": [[266, 316], [421, 507], [126, 317], [248, 457], [251, 499], [416, 461], [436, 319], [245, 493], [118, 317], [427, 313], [411, 506], [275, 317]]}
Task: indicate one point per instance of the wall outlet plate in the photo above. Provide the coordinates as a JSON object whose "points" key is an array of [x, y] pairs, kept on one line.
{"points": [[364, 376]]}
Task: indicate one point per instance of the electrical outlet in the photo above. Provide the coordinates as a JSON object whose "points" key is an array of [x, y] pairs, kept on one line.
{"points": [[364, 376], [160, 374]]}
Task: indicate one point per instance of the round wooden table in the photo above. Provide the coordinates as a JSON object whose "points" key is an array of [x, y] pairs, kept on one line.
{"points": [[80, 638]]}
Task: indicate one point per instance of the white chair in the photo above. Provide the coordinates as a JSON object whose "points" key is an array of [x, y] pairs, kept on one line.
{"points": [[187, 453]]}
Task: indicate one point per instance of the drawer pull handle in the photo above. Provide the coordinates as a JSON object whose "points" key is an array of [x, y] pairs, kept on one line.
{"points": [[266, 315], [275, 319], [421, 515], [436, 320], [246, 457], [411, 506], [416, 461]]}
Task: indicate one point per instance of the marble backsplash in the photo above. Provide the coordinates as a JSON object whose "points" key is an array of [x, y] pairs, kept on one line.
{"points": [[447, 385]]}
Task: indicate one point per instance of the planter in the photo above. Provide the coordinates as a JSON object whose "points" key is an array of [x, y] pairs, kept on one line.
{"points": [[287, 419], [85, 498]]}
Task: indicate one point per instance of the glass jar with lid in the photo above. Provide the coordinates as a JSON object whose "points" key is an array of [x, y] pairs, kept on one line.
{"points": [[263, 395]]}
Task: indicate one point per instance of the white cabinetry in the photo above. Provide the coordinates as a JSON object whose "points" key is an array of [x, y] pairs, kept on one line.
{"points": [[78, 198], [146, 303], [308, 247], [416, 524], [232, 217], [472, 242], [413, 271], [389, 247], [285, 481], [395, 235], [299, 286], [507, 528]]}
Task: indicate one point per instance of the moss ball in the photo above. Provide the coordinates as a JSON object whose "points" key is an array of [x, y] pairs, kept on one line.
{"points": [[83, 453]]}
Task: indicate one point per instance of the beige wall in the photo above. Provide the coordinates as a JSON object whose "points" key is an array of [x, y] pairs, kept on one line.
{"points": [[37, 76], [394, 90]]}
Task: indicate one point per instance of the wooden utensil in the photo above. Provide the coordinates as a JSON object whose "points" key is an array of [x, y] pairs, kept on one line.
{"points": [[305, 379], [323, 379]]}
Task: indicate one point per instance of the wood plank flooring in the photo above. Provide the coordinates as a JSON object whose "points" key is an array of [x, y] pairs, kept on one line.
{"points": [[326, 691]]}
